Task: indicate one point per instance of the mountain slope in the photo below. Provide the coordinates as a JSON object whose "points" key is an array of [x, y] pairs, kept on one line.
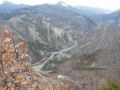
{"points": [[114, 17], [71, 43], [95, 57], [103, 46], [47, 27], [6, 5]]}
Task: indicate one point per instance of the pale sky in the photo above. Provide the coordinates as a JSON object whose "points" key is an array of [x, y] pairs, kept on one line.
{"points": [[105, 4]]}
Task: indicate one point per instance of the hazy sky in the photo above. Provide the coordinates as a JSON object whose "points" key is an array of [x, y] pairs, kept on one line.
{"points": [[106, 4]]}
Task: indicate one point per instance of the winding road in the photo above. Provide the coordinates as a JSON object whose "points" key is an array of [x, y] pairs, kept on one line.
{"points": [[40, 65]]}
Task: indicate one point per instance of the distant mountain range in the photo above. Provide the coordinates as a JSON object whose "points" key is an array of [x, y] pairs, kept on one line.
{"points": [[51, 27], [114, 17], [6, 5], [83, 9]]}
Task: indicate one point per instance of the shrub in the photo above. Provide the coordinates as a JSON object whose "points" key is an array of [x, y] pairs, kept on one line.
{"points": [[112, 84]]}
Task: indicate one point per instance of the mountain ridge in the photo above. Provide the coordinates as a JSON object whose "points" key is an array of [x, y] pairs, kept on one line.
{"points": [[50, 28]]}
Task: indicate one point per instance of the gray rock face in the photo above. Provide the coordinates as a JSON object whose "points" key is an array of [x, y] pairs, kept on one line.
{"points": [[47, 27]]}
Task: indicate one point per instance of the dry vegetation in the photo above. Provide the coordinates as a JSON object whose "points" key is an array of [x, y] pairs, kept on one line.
{"points": [[14, 73]]}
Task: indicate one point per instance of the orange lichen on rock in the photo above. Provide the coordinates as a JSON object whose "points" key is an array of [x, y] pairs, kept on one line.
{"points": [[14, 74]]}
